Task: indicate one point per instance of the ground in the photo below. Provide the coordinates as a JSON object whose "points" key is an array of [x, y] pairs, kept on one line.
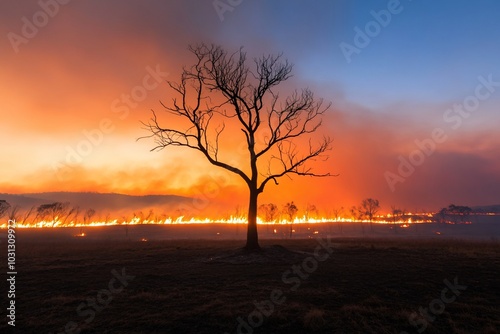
{"points": [[364, 286]]}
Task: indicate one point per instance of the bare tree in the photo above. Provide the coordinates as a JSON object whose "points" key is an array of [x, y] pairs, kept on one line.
{"points": [[27, 215], [369, 208], [53, 211], [269, 211], [311, 211], [74, 211], [397, 215], [338, 212], [357, 215], [221, 90], [14, 213], [87, 216], [290, 209]]}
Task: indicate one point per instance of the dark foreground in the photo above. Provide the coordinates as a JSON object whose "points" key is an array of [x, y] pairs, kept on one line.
{"points": [[363, 286]]}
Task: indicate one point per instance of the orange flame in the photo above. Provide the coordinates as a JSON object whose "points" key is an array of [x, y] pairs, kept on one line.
{"points": [[231, 220]]}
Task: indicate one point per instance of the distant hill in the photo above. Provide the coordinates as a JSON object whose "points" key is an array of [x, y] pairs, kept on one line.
{"points": [[487, 208], [96, 201]]}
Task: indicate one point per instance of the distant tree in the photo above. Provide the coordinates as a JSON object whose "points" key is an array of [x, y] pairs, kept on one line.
{"points": [[221, 90], [397, 215], [149, 215], [87, 217], [4, 207], [269, 211], [311, 211], [354, 211], [14, 213], [337, 215], [52, 211], [73, 212], [369, 208], [290, 210], [357, 215], [454, 213], [27, 215], [338, 212]]}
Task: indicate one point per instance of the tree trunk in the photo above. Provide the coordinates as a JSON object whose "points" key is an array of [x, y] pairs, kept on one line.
{"points": [[252, 235]]}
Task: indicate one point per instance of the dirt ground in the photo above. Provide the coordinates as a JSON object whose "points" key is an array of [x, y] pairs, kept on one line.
{"points": [[345, 285]]}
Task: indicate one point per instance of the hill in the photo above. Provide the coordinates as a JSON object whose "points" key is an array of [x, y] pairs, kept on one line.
{"points": [[487, 208], [97, 201]]}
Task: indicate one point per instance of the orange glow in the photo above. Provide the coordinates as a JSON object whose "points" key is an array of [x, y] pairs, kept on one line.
{"points": [[56, 92], [182, 221]]}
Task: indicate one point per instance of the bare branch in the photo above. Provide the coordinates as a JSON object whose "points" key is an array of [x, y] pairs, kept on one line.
{"points": [[291, 163], [220, 89]]}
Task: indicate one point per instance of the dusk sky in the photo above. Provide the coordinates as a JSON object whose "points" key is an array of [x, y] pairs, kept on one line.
{"points": [[414, 87]]}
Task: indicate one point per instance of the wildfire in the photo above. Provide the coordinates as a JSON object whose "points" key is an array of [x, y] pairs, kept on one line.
{"points": [[182, 220]]}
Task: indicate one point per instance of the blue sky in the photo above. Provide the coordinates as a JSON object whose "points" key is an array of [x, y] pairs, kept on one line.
{"points": [[431, 50]]}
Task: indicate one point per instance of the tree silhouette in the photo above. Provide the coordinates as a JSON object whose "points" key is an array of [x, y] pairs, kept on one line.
{"points": [[15, 213], [53, 211], [87, 216], [221, 90], [27, 214], [269, 211], [337, 214], [397, 214], [4, 207], [369, 207], [455, 213], [74, 211], [311, 211], [290, 210]]}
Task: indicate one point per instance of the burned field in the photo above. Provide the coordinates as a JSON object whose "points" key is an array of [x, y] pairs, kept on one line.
{"points": [[344, 285]]}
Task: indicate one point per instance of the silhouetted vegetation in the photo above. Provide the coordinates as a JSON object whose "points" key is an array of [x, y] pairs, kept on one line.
{"points": [[247, 99], [52, 211], [454, 214], [290, 210], [269, 211], [368, 209], [4, 207]]}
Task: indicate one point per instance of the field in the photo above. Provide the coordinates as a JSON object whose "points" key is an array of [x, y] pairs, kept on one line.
{"points": [[314, 285]]}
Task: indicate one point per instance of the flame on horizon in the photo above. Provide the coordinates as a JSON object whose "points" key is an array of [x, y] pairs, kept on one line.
{"points": [[232, 220]]}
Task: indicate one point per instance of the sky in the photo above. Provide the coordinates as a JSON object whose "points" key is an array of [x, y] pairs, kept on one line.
{"points": [[414, 88]]}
